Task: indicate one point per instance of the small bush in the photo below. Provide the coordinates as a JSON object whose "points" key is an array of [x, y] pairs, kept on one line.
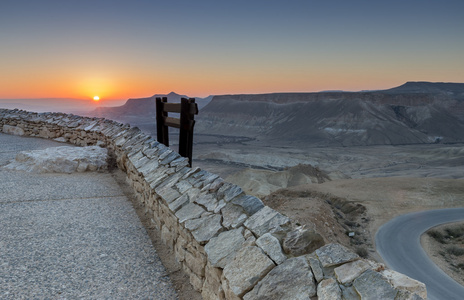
{"points": [[461, 266], [455, 232], [455, 250], [362, 252], [437, 235]]}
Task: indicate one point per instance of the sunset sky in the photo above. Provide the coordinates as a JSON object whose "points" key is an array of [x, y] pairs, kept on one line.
{"points": [[121, 49]]}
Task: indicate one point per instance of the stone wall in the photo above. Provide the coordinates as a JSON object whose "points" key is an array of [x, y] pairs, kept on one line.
{"points": [[229, 243]]}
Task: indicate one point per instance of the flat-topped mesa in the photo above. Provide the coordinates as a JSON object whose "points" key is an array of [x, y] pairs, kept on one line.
{"points": [[229, 243]]}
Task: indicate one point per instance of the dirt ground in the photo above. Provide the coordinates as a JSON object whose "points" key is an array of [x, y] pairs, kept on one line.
{"points": [[439, 244]]}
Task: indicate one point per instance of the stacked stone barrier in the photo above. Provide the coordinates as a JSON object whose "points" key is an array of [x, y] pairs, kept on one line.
{"points": [[229, 243]]}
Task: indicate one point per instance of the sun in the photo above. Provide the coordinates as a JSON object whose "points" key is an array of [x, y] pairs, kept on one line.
{"points": [[96, 98]]}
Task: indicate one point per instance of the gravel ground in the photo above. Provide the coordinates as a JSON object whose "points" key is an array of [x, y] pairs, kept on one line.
{"points": [[72, 236]]}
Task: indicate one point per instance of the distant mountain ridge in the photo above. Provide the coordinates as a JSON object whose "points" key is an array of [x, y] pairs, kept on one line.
{"points": [[413, 113]]}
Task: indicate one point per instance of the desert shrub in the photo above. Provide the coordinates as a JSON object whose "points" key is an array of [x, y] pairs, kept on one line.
{"points": [[455, 232], [455, 250], [461, 266], [437, 235], [362, 252]]}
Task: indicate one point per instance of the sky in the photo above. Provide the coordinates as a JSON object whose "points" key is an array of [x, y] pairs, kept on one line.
{"points": [[128, 49]]}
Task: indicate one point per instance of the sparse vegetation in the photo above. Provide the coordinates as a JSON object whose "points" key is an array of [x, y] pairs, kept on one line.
{"points": [[455, 250], [437, 235], [362, 252], [455, 231]]}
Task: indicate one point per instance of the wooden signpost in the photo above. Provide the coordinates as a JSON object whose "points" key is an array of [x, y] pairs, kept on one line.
{"points": [[187, 109]]}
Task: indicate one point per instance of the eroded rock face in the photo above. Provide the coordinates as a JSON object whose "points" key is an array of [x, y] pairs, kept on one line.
{"points": [[63, 159]]}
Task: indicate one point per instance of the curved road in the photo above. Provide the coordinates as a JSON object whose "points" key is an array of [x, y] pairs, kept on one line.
{"points": [[398, 242]]}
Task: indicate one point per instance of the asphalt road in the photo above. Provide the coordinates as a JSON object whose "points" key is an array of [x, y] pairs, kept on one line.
{"points": [[398, 242]]}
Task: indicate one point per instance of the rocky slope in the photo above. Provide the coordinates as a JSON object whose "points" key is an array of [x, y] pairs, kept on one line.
{"points": [[414, 113]]}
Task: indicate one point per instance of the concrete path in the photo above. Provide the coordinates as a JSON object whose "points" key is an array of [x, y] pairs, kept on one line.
{"points": [[398, 242], [71, 236]]}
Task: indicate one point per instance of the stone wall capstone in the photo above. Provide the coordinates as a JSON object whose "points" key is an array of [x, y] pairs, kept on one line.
{"points": [[229, 243]]}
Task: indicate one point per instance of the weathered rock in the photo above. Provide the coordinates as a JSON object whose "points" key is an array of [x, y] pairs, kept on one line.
{"points": [[179, 203], [249, 265], [168, 194], [290, 280], [267, 220], [349, 293], [188, 212], [404, 283], [373, 285], [316, 266], [302, 241], [348, 272], [233, 216], [271, 246], [221, 249], [206, 200], [328, 289], [205, 228], [64, 159], [335, 254], [250, 204]]}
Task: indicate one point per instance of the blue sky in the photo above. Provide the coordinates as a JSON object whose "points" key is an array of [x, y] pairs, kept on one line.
{"points": [[136, 48]]}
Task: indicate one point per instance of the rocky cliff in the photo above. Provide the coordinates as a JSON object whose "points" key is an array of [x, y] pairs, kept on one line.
{"points": [[414, 113]]}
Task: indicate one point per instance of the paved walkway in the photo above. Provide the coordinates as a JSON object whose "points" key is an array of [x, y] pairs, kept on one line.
{"points": [[71, 236]]}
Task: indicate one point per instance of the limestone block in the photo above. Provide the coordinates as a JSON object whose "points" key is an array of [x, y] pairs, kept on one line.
{"points": [[316, 266], [179, 203], [404, 283], [195, 263], [64, 159], [208, 201], [183, 186], [205, 228], [233, 216], [168, 194], [349, 293], [213, 284], [188, 212], [149, 166], [302, 241], [228, 191], [348, 272], [179, 162], [167, 237], [229, 294], [373, 285], [179, 249], [166, 159], [271, 246], [249, 265], [267, 220], [328, 289], [335, 254], [15, 130], [290, 280], [222, 249], [250, 204], [196, 282]]}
